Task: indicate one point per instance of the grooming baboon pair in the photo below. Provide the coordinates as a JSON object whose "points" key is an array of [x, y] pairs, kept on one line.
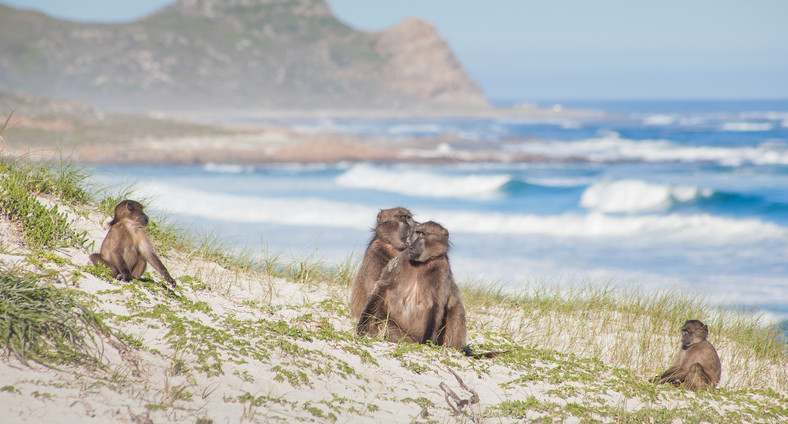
{"points": [[404, 284]]}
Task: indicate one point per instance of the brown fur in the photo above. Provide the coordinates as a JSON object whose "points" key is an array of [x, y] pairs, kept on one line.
{"points": [[416, 294], [393, 228], [697, 365], [127, 250]]}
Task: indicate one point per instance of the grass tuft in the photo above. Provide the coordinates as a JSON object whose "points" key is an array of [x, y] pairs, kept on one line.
{"points": [[21, 181], [62, 178], [45, 324]]}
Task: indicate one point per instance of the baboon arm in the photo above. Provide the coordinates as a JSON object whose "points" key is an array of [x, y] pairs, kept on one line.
{"points": [[374, 309], [121, 271], [97, 260], [146, 250], [672, 375], [454, 326], [433, 325], [365, 281], [698, 378]]}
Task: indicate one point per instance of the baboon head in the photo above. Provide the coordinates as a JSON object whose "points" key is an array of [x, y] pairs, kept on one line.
{"points": [[132, 210], [395, 226], [428, 241], [693, 332]]}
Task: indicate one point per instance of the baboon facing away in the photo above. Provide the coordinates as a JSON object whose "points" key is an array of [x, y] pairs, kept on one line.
{"points": [[697, 365], [126, 249], [416, 294], [393, 228]]}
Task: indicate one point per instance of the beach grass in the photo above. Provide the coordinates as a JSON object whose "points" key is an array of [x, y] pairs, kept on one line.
{"points": [[24, 181], [629, 329], [47, 325]]}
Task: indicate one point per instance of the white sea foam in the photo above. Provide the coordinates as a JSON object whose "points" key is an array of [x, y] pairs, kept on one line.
{"points": [[699, 229], [227, 168], [407, 129], [637, 196], [659, 120], [613, 148], [420, 183], [234, 208], [690, 121], [747, 126], [570, 125], [560, 181]]}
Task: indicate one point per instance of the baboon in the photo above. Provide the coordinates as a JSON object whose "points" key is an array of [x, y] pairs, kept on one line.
{"points": [[127, 250], [393, 228], [697, 364], [416, 294]]}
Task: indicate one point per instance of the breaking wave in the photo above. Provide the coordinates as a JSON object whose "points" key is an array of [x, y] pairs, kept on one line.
{"points": [[419, 183], [637, 196]]}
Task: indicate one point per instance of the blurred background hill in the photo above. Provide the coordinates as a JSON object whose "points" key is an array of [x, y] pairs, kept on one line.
{"points": [[214, 55]]}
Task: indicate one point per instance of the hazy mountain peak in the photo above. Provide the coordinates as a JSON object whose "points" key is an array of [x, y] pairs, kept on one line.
{"points": [[216, 8], [225, 54]]}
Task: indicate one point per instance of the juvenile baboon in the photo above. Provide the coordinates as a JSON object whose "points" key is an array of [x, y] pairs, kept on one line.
{"points": [[416, 296], [697, 364], [393, 228], [127, 250]]}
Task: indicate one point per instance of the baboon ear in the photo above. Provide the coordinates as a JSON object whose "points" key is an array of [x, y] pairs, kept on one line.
{"points": [[706, 328], [128, 206]]}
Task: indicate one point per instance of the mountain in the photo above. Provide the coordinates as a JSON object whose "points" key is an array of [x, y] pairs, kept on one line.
{"points": [[226, 54]]}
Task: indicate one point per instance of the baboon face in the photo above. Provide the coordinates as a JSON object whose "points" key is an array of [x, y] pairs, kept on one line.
{"points": [[693, 332], [429, 240], [132, 210], [395, 226]]}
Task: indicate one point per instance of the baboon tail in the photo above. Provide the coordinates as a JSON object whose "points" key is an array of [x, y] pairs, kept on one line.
{"points": [[484, 355]]}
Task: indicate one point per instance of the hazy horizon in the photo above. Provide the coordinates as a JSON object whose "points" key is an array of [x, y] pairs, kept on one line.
{"points": [[611, 50]]}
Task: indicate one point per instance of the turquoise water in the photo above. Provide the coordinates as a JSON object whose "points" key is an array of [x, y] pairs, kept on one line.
{"points": [[689, 195]]}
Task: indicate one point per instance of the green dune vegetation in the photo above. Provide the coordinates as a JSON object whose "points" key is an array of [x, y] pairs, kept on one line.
{"points": [[247, 337]]}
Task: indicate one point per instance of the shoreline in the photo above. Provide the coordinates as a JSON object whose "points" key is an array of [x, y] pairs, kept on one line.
{"points": [[280, 145], [522, 112], [238, 137]]}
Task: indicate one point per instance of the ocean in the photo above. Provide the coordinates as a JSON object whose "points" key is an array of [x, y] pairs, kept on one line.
{"points": [[655, 196]]}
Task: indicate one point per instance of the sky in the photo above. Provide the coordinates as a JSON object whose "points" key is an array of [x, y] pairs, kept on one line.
{"points": [[529, 50]]}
